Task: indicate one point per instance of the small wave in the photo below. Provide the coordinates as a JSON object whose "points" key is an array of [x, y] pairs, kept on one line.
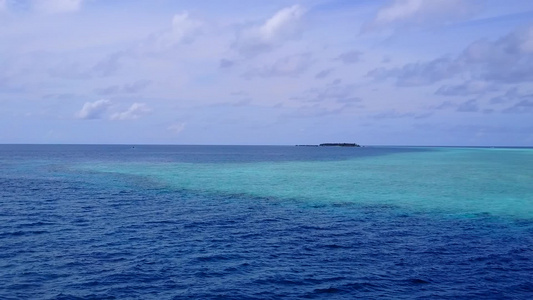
{"points": [[23, 233]]}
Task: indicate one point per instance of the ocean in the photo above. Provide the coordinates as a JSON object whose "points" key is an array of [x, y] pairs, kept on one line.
{"points": [[265, 222]]}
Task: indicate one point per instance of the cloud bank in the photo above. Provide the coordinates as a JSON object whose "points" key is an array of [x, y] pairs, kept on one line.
{"points": [[267, 71], [505, 60]]}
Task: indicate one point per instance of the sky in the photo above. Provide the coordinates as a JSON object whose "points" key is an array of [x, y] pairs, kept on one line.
{"points": [[277, 72]]}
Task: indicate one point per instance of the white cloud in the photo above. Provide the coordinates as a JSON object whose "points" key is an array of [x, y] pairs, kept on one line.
{"points": [[57, 6], [134, 112], [399, 10], [283, 26], [280, 23], [404, 12], [176, 127], [93, 110], [184, 29], [183, 26]]}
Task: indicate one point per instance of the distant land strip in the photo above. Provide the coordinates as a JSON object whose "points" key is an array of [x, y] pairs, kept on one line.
{"points": [[332, 145]]}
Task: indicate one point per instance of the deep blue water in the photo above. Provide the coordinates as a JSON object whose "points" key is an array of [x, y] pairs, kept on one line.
{"points": [[228, 222]]}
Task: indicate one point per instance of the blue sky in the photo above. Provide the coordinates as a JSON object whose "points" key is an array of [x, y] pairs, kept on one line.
{"points": [[375, 72]]}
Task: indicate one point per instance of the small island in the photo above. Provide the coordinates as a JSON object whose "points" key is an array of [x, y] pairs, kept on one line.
{"points": [[339, 145], [332, 145]]}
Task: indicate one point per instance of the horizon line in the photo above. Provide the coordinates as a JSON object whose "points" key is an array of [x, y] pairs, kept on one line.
{"points": [[259, 145]]}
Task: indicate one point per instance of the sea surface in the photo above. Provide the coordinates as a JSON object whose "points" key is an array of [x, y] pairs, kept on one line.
{"points": [[265, 222]]}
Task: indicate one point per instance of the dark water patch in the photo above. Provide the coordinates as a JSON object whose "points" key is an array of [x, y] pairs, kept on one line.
{"points": [[335, 246], [418, 281], [191, 154]]}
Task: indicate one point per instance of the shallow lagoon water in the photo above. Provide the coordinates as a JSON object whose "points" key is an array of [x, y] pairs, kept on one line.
{"points": [[236, 222], [470, 181]]}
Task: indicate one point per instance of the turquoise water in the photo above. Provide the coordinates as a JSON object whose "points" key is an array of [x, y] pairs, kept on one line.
{"points": [[456, 181]]}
